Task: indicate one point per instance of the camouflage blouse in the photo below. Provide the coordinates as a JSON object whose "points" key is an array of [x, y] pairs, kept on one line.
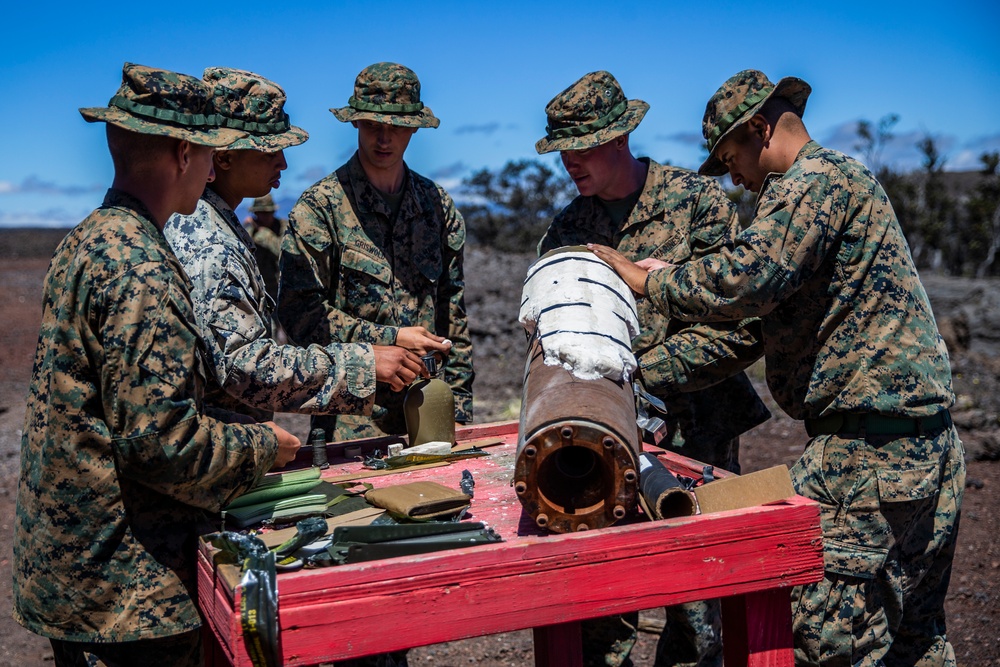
{"points": [[695, 368], [350, 273], [118, 461], [847, 323], [258, 375]]}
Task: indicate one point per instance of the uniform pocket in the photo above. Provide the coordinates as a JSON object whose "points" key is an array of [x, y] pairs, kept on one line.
{"points": [[365, 286], [357, 261], [916, 483]]}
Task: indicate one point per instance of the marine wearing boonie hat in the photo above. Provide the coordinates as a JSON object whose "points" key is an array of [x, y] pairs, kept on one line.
{"points": [[387, 93], [591, 112], [164, 103], [263, 204], [254, 105], [737, 101]]}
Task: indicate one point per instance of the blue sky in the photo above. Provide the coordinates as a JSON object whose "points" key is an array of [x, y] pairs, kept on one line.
{"points": [[488, 70]]}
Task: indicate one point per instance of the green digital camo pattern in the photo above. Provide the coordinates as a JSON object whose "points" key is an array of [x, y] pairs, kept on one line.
{"points": [[590, 112], [258, 375], [889, 509], [267, 247], [348, 273], [697, 370], [847, 328], [387, 93], [252, 104], [155, 101], [847, 324], [268, 239], [118, 463]]}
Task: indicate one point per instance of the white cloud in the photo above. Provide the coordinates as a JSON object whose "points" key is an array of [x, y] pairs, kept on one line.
{"points": [[485, 128], [35, 186]]}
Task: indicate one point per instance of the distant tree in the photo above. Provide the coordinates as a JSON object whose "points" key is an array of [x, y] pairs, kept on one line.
{"points": [[873, 140], [937, 220], [510, 209], [984, 216]]}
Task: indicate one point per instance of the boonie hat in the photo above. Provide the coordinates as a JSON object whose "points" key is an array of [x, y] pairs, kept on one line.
{"points": [[387, 93], [160, 102], [737, 101], [255, 105], [591, 112], [263, 204]]}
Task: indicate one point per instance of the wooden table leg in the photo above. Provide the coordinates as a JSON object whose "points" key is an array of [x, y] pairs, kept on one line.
{"points": [[558, 645], [757, 629]]}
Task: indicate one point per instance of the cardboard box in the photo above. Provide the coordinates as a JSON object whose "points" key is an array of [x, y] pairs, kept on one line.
{"points": [[738, 491]]}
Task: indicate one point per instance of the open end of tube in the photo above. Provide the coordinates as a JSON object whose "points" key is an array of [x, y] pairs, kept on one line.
{"points": [[573, 479]]}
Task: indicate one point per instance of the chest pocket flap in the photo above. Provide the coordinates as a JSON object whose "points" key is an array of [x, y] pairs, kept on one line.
{"points": [[356, 259]]}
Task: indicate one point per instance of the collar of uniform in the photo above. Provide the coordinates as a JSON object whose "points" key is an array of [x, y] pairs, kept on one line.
{"points": [[809, 148], [121, 199], [225, 211], [647, 205], [365, 191]]}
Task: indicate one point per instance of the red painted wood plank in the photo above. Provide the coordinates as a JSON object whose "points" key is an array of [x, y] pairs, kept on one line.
{"points": [[756, 627], [776, 528]]}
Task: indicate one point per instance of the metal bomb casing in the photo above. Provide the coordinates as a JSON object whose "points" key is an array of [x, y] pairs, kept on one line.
{"points": [[577, 452], [577, 464]]}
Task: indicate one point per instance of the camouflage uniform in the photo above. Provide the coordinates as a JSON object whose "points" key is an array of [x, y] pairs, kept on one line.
{"points": [[257, 374], [351, 273], [851, 346], [697, 370], [118, 462], [694, 369], [267, 243], [116, 458], [266, 249]]}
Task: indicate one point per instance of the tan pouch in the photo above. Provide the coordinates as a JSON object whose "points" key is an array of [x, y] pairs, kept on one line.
{"points": [[419, 501]]}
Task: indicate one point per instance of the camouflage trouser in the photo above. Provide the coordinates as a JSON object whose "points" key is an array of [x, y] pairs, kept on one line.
{"points": [[692, 635], [889, 510]]}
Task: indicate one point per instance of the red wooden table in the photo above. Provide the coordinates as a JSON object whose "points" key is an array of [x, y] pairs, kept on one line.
{"points": [[548, 582]]}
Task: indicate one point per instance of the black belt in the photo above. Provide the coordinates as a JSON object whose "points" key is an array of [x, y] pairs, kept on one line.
{"points": [[854, 424]]}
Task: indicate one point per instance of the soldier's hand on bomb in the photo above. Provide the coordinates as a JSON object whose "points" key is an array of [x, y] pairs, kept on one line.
{"points": [[632, 273]]}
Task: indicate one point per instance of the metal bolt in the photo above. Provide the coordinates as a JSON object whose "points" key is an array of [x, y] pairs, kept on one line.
{"points": [[619, 512], [542, 520], [630, 476], [566, 432], [530, 451], [520, 488]]}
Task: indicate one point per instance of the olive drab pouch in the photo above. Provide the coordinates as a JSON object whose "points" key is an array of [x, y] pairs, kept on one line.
{"points": [[419, 501]]}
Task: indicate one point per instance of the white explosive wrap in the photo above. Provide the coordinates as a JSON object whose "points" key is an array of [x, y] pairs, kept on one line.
{"points": [[583, 313]]}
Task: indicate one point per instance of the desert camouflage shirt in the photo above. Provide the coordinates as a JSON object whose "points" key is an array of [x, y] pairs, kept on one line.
{"points": [[847, 324], [258, 374], [118, 461], [350, 273], [695, 368]]}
